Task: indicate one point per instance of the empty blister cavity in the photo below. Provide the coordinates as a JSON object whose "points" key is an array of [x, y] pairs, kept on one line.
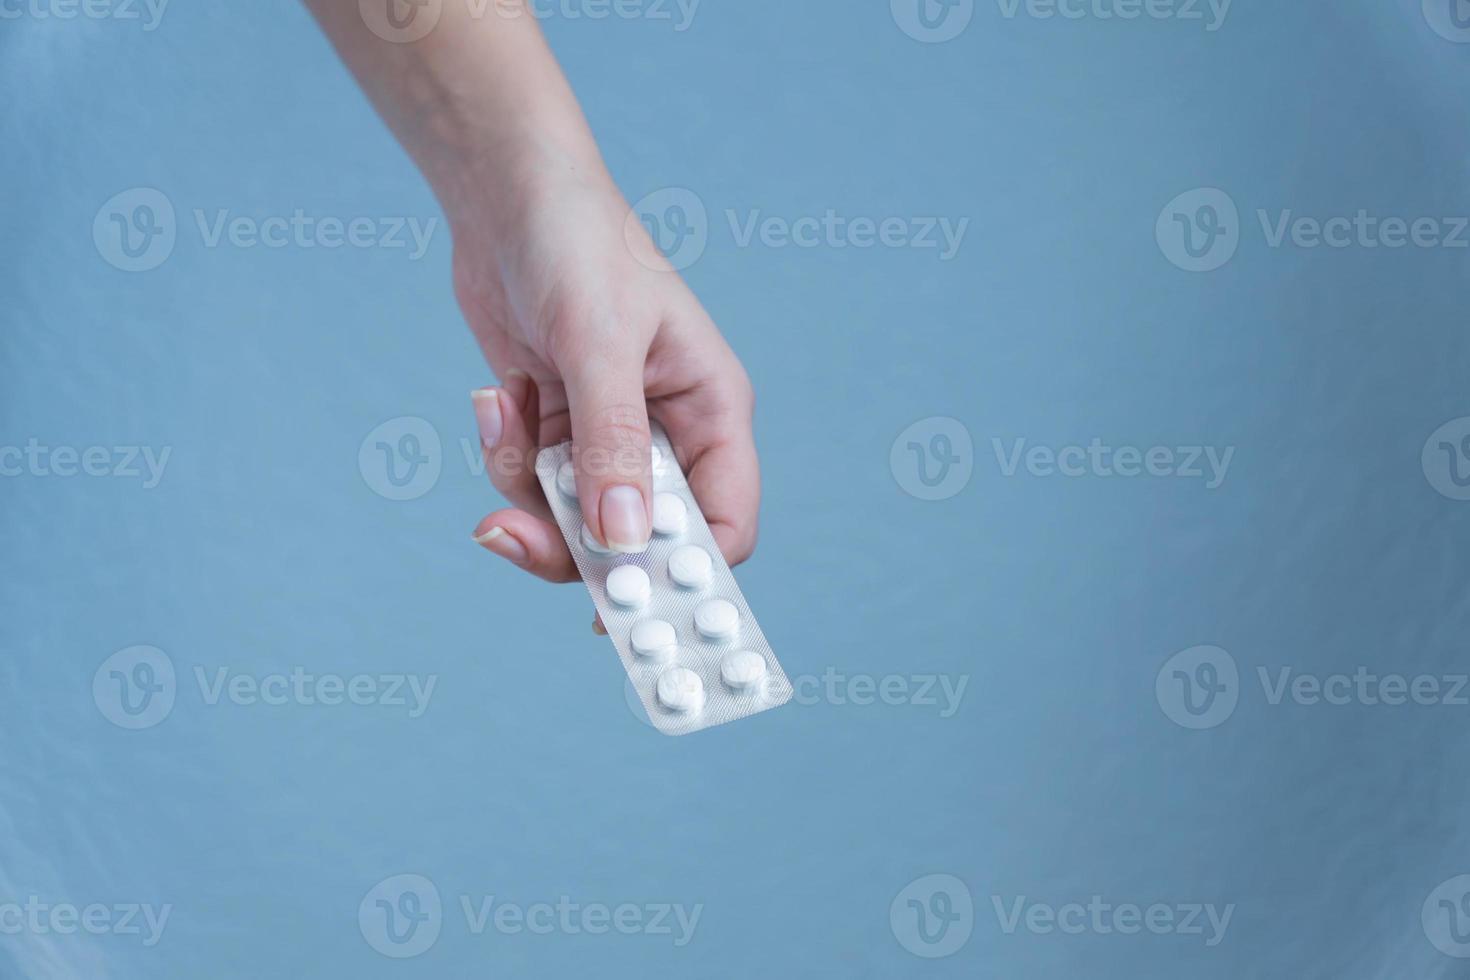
{"points": [[717, 619], [591, 543], [743, 671], [628, 585], [566, 480], [680, 689], [691, 566], [670, 514], [655, 639]]}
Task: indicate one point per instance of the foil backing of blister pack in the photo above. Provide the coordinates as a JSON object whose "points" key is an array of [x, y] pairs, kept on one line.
{"points": [[670, 602]]}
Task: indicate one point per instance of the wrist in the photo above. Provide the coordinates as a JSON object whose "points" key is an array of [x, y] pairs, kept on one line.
{"points": [[497, 191], [494, 184]]}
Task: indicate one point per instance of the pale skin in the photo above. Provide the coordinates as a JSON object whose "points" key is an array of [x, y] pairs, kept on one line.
{"points": [[589, 329]]}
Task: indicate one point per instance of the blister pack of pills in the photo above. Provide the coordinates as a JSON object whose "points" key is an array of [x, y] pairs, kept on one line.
{"points": [[691, 647]]}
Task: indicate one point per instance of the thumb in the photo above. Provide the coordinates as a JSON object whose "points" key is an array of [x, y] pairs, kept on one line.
{"points": [[610, 450]]}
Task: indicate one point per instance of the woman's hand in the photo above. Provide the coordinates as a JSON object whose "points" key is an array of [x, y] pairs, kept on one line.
{"points": [[572, 304], [593, 334]]}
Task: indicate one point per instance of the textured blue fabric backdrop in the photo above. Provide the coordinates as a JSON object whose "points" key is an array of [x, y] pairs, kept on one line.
{"points": [[1111, 531]]}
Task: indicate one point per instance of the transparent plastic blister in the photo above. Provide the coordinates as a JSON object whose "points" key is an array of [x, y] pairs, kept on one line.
{"points": [[692, 649]]}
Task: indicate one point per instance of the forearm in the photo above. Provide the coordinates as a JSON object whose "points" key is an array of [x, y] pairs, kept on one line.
{"points": [[479, 102]]}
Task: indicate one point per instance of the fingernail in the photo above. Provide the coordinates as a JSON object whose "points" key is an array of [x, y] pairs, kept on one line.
{"points": [[487, 415], [503, 545], [624, 519]]}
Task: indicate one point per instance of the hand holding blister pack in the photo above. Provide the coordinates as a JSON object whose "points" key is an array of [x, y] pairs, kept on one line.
{"points": [[692, 650]]}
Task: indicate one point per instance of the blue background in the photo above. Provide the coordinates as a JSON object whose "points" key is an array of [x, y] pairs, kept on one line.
{"points": [[265, 546]]}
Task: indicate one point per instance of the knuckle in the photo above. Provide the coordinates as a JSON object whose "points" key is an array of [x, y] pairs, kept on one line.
{"points": [[509, 466], [614, 443], [617, 426]]}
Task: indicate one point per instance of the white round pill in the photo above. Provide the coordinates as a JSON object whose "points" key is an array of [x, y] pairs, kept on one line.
{"points": [[670, 513], [680, 689], [656, 457], [690, 566], [655, 639], [590, 543], [628, 585], [566, 480], [717, 619], [744, 670]]}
